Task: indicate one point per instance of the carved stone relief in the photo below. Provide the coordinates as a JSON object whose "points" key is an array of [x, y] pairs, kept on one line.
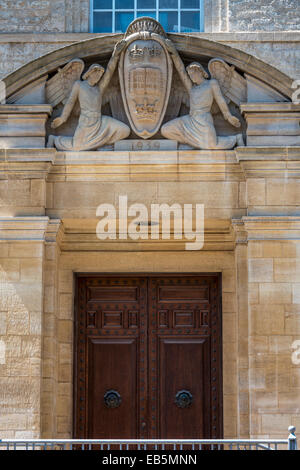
{"points": [[93, 130], [140, 95], [145, 72], [197, 129], [148, 97]]}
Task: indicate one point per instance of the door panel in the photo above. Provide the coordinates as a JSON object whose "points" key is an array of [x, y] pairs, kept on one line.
{"points": [[112, 388], [184, 380], [111, 334], [185, 342], [148, 356]]}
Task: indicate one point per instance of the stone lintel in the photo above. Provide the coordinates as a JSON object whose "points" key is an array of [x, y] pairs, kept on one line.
{"points": [[146, 166], [200, 165], [80, 235], [148, 157], [249, 162], [266, 228], [144, 157]]}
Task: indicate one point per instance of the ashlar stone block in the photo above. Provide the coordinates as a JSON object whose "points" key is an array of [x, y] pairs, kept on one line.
{"points": [[260, 270]]}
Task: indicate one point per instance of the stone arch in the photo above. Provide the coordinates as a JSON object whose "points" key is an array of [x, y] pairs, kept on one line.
{"points": [[100, 48]]}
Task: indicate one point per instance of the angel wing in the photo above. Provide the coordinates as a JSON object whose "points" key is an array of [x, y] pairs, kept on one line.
{"points": [[113, 96], [59, 87], [178, 97], [233, 85]]}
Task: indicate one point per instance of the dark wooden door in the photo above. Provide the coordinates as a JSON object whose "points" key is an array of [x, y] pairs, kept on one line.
{"points": [[148, 356]]}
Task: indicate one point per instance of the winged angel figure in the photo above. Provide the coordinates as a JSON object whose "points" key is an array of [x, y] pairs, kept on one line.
{"points": [[197, 128], [93, 129]]}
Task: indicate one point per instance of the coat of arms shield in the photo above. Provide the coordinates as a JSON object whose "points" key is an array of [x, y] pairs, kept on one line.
{"points": [[145, 72]]}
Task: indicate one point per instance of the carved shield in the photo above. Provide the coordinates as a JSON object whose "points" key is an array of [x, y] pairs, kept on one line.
{"points": [[145, 71]]}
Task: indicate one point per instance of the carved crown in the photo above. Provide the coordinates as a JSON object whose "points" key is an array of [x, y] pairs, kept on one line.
{"points": [[145, 23]]}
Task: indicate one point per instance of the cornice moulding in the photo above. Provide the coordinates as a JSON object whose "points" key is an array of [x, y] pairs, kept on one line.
{"points": [[23, 228], [267, 228], [80, 235]]}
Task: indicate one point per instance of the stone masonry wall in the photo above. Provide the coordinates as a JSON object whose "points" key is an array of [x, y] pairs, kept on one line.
{"points": [[20, 16], [14, 55], [32, 16], [263, 15], [20, 338], [274, 273]]}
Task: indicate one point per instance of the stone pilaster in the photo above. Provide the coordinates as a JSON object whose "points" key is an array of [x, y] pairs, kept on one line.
{"points": [[242, 327], [23, 251], [273, 265], [50, 369]]}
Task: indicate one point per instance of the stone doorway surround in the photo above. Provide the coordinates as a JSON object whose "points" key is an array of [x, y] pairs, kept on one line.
{"points": [[256, 254], [252, 237]]}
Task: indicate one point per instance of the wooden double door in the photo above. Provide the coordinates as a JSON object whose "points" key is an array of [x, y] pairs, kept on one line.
{"points": [[148, 356]]}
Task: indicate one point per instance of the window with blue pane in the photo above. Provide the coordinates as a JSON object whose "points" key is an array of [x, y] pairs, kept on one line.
{"points": [[176, 16]]}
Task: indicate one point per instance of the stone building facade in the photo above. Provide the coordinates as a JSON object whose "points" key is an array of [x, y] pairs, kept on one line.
{"points": [[251, 197]]}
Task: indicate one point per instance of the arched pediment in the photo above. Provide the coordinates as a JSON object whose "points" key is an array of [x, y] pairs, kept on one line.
{"points": [[190, 47], [181, 90]]}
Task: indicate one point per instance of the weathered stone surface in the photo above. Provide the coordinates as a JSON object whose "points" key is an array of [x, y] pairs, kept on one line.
{"points": [[34, 93], [296, 291], [272, 123], [65, 306], [148, 145], [23, 126], [146, 103], [259, 92], [93, 130], [47, 16], [261, 270], [265, 15], [267, 319], [59, 15]]}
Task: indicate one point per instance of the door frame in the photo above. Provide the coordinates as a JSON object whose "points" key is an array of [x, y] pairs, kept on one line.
{"points": [[219, 388]]}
